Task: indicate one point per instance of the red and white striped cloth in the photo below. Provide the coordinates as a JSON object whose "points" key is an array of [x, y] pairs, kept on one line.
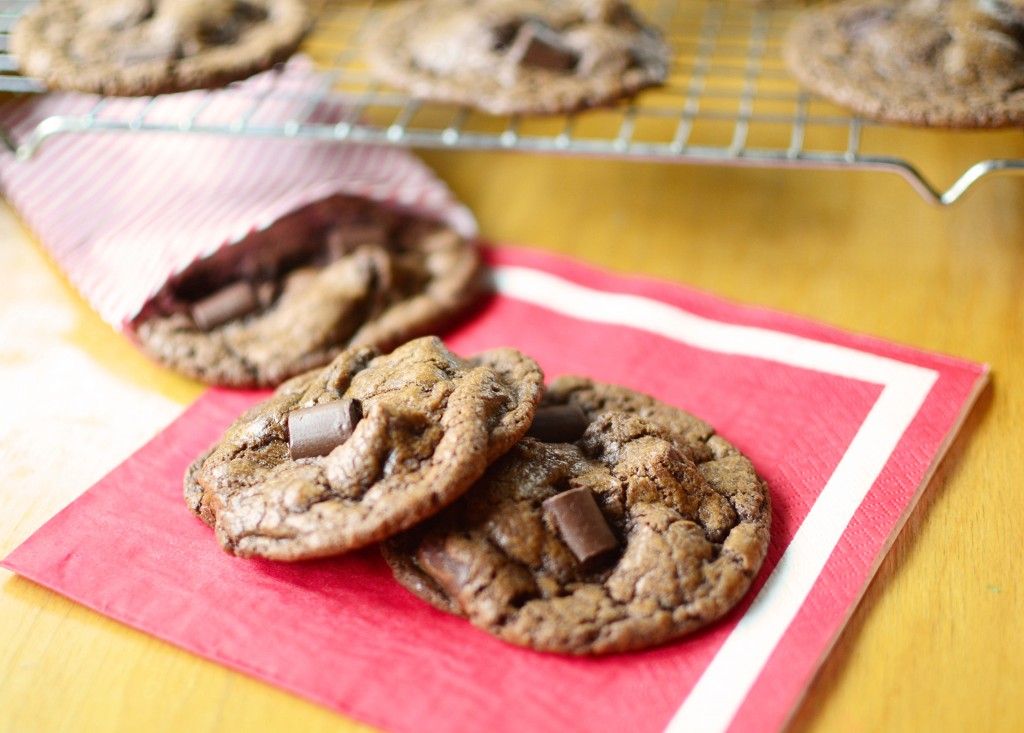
{"points": [[120, 212]]}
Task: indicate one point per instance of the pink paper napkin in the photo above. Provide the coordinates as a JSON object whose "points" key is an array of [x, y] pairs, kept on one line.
{"points": [[120, 212], [846, 429]]}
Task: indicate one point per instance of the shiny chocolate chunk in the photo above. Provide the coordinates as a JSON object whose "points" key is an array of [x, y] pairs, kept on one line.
{"points": [[232, 302], [558, 424], [539, 46], [316, 431], [345, 237], [581, 524]]}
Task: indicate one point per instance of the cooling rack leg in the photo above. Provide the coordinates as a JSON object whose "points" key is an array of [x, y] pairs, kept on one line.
{"points": [[978, 171]]}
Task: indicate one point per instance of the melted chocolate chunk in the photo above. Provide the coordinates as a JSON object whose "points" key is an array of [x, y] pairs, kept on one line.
{"points": [[558, 424], [539, 46], [316, 431], [581, 525], [234, 301]]}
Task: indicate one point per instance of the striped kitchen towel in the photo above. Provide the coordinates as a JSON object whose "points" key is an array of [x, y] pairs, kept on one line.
{"points": [[121, 212]]}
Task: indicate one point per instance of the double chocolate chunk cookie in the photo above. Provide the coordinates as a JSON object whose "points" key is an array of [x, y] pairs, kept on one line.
{"points": [[370, 445], [343, 272], [624, 524], [144, 47], [941, 63], [518, 56]]}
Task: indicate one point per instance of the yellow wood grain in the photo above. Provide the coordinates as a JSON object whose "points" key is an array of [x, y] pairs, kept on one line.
{"points": [[935, 643]]}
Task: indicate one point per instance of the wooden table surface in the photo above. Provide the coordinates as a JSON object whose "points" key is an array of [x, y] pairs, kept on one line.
{"points": [[936, 644]]}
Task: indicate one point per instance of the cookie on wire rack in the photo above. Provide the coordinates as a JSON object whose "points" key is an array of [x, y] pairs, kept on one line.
{"points": [[517, 56], [147, 47], [935, 63]]}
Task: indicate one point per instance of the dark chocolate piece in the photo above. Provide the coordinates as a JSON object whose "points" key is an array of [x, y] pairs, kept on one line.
{"points": [[558, 424], [234, 301], [454, 570], [317, 430], [539, 46], [581, 524], [343, 238]]}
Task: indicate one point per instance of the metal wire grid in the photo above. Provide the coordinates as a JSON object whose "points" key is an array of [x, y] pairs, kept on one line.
{"points": [[728, 101]]}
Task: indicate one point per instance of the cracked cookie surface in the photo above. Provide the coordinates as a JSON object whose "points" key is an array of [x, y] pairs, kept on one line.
{"points": [[939, 63], [431, 424], [579, 53], [145, 47], [690, 515], [342, 272]]}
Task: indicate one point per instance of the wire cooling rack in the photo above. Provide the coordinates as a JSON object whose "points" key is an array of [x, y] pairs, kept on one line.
{"points": [[728, 101]]}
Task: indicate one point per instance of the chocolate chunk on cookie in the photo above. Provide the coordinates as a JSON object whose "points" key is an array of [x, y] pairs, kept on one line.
{"points": [[144, 47], [939, 63], [518, 56], [645, 528], [343, 272], [428, 424]]}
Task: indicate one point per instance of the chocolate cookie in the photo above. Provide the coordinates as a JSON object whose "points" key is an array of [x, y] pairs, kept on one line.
{"points": [[343, 272], [352, 453], [144, 47], [941, 63], [518, 56], [623, 526]]}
